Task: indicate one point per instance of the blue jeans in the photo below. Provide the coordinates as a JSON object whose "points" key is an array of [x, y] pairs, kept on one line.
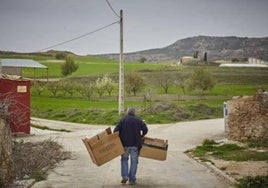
{"points": [[134, 159]]}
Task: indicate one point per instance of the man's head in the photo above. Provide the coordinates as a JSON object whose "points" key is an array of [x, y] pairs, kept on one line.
{"points": [[131, 111]]}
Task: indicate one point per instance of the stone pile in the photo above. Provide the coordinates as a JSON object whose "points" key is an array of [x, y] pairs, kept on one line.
{"points": [[247, 118]]}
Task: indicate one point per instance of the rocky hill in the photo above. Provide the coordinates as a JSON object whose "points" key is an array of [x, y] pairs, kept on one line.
{"points": [[217, 48]]}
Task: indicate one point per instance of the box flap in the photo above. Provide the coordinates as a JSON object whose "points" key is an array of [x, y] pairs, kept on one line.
{"points": [[89, 150], [155, 142]]}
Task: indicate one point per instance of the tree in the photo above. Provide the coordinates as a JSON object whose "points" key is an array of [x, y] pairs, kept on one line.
{"points": [[100, 87], [195, 54], [60, 55], [201, 79], [105, 83], [69, 66], [165, 80], [180, 81], [108, 83], [134, 82], [205, 57], [85, 89], [38, 87], [142, 59], [53, 87], [67, 87]]}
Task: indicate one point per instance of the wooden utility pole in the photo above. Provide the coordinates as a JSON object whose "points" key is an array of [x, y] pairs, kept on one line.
{"points": [[121, 69]]}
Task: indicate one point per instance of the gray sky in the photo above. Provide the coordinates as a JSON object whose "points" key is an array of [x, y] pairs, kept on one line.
{"points": [[32, 25]]}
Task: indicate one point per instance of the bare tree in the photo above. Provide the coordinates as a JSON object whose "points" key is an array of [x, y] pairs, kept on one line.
{"points": [[11, 113], [67, 87], [180, 82], [53, 87], [38, 87]]}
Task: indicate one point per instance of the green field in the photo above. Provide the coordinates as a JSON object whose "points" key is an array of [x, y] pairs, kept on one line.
{"points": [[87, 67], [161, 108]]}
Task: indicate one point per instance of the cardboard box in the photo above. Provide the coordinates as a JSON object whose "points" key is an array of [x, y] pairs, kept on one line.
{"points": [[154, 148], [104, 146]]}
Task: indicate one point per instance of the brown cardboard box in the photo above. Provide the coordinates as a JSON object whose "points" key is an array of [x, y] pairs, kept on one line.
{"points": [[154, 148], [104, 146]]}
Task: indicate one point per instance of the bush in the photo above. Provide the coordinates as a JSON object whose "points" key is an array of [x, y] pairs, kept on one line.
{"points": [[253, 182], [69, 67]]}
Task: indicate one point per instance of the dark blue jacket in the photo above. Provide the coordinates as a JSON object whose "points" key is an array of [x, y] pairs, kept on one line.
{"points": [[131, 129]]}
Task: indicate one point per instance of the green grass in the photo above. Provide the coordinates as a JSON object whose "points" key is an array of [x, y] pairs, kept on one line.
{"points": [[88, 66], [229, 152], [183, 108], [106, 111], [253, 182], [39, 175]]}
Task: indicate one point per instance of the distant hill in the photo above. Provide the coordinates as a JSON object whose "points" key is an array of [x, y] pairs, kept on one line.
{"points": [[217, 48], [47, 53]]}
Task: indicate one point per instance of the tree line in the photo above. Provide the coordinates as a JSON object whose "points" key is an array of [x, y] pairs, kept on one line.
{"points": [[199, 80]]}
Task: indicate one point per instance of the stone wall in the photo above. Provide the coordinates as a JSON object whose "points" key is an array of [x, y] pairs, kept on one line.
{"points": [[248, 118], [6, 161]]}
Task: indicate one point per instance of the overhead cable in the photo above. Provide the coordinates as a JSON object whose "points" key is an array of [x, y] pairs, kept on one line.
{"points": [[112, 9], [78, 37]]}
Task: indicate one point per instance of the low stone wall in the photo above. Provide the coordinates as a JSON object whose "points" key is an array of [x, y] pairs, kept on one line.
{"points": [[248, 118], [6, 160]]}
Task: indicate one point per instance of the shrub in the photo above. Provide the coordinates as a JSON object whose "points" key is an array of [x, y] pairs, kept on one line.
{"points": [[253, 182]]}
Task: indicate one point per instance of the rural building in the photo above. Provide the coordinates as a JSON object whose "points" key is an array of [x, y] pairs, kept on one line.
{"points": [[14, 66]]}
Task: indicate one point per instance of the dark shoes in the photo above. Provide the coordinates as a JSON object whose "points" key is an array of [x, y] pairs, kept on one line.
{"points": [[132, 183], [124, 180]]}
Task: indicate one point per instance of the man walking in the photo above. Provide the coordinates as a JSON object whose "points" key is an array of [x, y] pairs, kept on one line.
{"points": [[131, 130]]}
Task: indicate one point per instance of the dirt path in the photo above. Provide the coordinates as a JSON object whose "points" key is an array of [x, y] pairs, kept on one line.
{"points": [[177, 171]]}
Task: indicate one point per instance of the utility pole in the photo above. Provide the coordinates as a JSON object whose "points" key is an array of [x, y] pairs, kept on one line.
{"points": [[121, 69]]}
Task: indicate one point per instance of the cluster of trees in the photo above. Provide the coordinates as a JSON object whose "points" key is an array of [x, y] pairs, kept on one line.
{"points": [[201, 80], [195, 55], [68, 87]]}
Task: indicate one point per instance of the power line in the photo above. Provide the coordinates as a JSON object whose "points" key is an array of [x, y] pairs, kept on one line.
{"points": [[112, 9], [78, 37]]}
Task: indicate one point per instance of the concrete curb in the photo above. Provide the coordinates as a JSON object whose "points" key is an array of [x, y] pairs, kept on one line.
{"points": [[213, 168], [219, 172]]}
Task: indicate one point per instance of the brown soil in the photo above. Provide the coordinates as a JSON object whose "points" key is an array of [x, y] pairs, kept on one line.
{"points": [[238, 170]]}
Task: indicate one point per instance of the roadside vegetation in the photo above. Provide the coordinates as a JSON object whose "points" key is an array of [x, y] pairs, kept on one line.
{"points": [[211, 150], [230, 151], [32, 160]]}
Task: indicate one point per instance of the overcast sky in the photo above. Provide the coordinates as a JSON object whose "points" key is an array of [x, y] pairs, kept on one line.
{"points": [[32, 25]]}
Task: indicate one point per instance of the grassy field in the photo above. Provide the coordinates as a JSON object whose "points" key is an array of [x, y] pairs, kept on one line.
{"points": [[87, 67], [162, 108]]}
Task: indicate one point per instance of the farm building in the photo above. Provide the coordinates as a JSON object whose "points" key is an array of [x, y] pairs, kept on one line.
{"points": [[242, 65], [14, 66]]}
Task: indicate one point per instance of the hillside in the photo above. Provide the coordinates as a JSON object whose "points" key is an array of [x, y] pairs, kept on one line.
{"points": [[217, 48]]}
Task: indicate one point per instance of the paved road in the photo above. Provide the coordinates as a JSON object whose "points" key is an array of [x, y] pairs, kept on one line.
{"points": [[178, 171]]}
